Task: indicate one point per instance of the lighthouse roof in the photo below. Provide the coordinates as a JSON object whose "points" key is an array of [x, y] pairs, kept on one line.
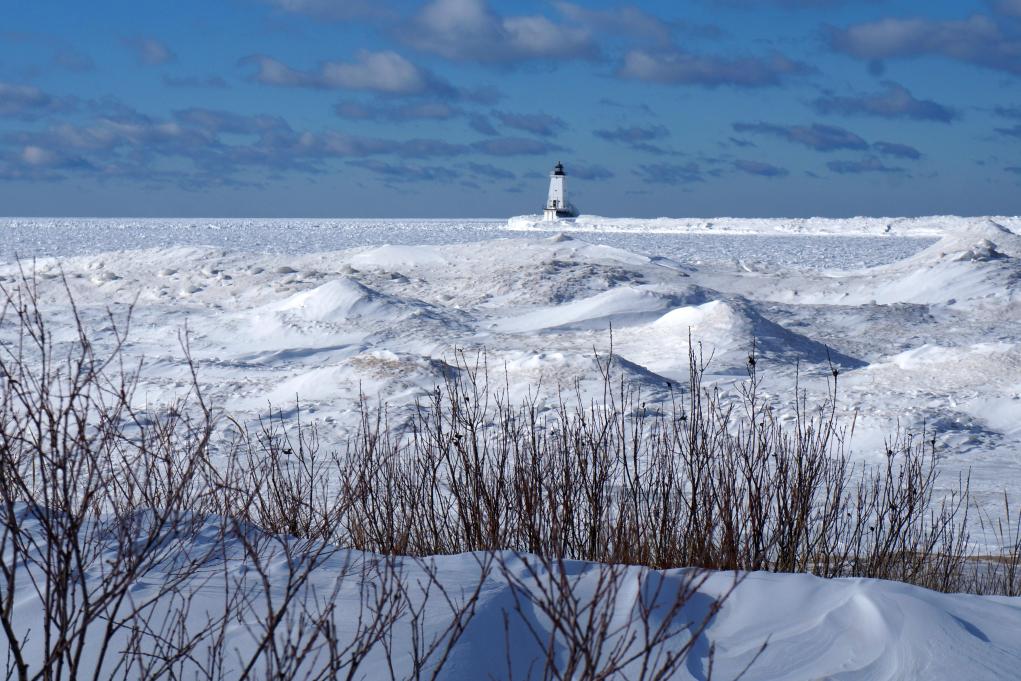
{"points": [[558, 169]]}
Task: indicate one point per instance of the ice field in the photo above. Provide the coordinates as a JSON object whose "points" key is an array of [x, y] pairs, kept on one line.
{"points": [[921, 316]]}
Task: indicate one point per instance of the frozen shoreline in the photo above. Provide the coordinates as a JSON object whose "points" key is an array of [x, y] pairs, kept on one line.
{"points": [[919, 227]]}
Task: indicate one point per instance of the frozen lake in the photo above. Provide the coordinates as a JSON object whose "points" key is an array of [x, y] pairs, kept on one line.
{"points": [[28, 238]]}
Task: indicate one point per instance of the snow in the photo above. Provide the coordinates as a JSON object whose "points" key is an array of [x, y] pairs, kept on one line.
{"points": [[921, 315], [934, 226], [862, 629], [621, 305], [39, 237], [338, 300], [325, 311], [812, 628]]}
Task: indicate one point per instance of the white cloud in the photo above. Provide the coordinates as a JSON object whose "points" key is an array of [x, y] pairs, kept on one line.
{"points": [[628, 19], [385, 72], [677, 67], [976, 40], [1012, 7], [37, 156], [27, 101], [332, 10], [471, 30], [378, 71], [150, 51]]}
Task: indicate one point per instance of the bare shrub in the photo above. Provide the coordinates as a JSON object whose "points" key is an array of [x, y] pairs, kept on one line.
{"points": [[154, 548], [172, 542], [706, 482]]}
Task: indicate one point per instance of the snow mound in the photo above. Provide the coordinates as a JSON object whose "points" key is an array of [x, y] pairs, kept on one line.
{"points": [[972, 263], [979, 241], [390, 257], [620, 306], [716, 323], [727, 330], [948, 370], [529, 372], [337, 301], [982, 251], [342, 377], [865, 630]]}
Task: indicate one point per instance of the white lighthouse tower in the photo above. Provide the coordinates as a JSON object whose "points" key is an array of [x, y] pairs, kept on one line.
{"points": [[557, 206]]}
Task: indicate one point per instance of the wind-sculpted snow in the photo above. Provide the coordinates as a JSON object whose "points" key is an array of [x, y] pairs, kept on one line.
{"points": [[812, 628], [338, 301], [726, 329], [320, 313]]}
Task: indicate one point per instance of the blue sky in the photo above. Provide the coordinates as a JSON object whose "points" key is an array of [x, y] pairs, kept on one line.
{"points": [[373, 108]]}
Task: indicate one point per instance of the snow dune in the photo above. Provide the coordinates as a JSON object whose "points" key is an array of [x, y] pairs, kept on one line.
{"points": [[727, 330], [384, 320], [337, 301], [781, 627], [621, 306]]}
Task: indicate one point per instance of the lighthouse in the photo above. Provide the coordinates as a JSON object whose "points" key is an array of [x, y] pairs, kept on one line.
{"points": [[557, 206]]}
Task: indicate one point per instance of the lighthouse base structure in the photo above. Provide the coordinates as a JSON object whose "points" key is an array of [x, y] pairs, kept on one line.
{"points": [[554, 214]]}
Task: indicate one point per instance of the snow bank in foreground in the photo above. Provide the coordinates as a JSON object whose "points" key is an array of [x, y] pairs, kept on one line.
{"points": [[849, 629]]}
